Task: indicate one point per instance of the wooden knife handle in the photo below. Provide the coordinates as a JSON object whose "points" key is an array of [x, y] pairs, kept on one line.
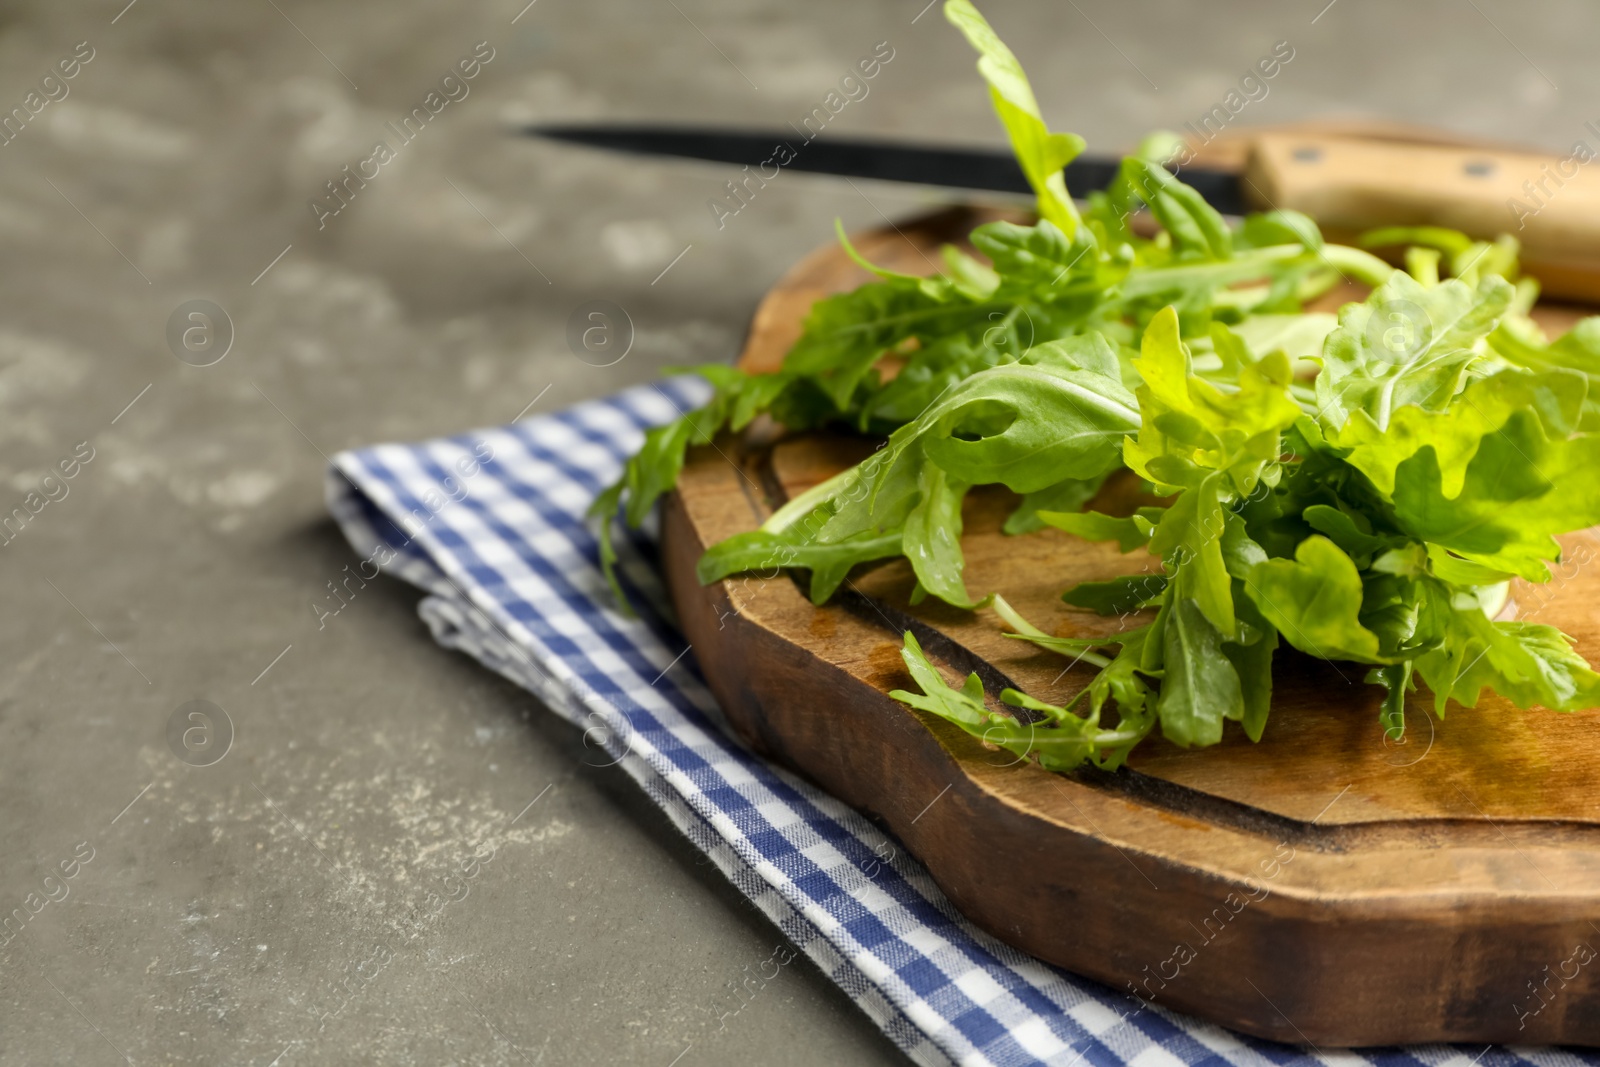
{"points": [[1549, 203]]}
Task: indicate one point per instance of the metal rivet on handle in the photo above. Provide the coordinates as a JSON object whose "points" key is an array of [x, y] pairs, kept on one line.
{"points": [[1307, 155]]}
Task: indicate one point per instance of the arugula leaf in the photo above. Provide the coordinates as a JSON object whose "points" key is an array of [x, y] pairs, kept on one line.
{"points": [[974, 280], [1396, 680], [1129, 533], [1062, 741], [1455, 432], [1030, 258], [1041, 153], [1199, 686], [932, 537], [1118, 596], [1251, 657], [845, 335], [1509, 507], [1197, 230], [655, 469], [761, 550], [1069, 494], [1406, 344], [1189, 538], [964, 706], [1279, 227], [1314, 601], [1469, 259], [1023, 425], [1077, 647], [1020, 425], [1350, 530], [1531, 664]]}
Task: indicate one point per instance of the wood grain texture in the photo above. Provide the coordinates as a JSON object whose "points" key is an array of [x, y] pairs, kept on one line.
{"points": [[1322, 886]]}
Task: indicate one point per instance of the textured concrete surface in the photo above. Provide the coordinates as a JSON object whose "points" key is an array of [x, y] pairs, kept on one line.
{"points": [[274, 907]]}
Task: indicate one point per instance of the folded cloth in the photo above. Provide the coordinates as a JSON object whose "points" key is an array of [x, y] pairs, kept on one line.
{"points": [[491, 525]]}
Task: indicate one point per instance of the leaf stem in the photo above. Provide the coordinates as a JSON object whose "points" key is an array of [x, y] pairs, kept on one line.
{"points": [[797, 507]]}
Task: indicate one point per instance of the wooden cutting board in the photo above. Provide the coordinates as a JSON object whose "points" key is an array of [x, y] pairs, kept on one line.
{"points": [[1321, 887]]}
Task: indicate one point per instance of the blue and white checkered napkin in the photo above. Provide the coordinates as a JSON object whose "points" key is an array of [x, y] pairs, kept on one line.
{"points": [[491, 525]]}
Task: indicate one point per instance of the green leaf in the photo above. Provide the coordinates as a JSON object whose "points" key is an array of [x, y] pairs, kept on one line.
{"points": [[1204, 279], [975, 280], [752, 396], [1041, 256], [1279, 228], [1352, 532], [655, 468], [899, 279], [1129, 533], [1314, 601], [1469, 259], [1519, 490], [1189, 538], [1061, 742], [1118, 682], [974, 341], [932, 537], [1240, 552], [1406, 344], [1397, 682], [1026, 426], [1118, 596], [1390, 610], [605, 507], [1041, 153], [1453, 241], [1252, 662], [1088, 353], [1578, 349], [1069, 494], [1455, 431], [1458, 571], [759, 550], [1296, 336], [1076, 647], [845, 335], [1528, 663], [1520, 342], [1190, 426], [1022, 425], [879, 492], [964, 706], [1231, 350], [1198, 232], [1199, 686]]}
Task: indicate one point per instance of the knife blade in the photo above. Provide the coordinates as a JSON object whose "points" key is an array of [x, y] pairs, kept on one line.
{"points": [[989, 169], [1348, 181]]}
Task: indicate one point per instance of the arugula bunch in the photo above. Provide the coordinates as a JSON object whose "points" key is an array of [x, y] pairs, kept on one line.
{"points": [[1374, 516], [1379, 528], [874, 359]]}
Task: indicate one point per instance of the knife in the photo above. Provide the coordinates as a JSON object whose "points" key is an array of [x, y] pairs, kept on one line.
{"points": [[1347, 182], [987, 169]]}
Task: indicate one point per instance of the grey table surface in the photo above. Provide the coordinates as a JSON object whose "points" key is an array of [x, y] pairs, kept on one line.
{"points": [[254, 911]]}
